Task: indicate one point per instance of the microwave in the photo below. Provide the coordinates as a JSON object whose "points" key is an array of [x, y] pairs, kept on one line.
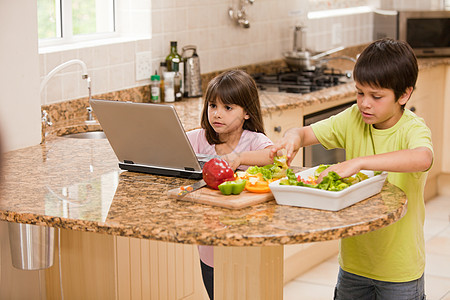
{"points": [[427, 32]]}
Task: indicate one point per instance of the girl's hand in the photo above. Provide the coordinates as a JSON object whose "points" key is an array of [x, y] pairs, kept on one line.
{"points": [[233, 159], [343, 169]]}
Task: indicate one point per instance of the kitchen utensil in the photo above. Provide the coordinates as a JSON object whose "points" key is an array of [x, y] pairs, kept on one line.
{"points": [[327, 200], [191, 188], [216, 198], [192, 76], [300, 58], [303, 60]]}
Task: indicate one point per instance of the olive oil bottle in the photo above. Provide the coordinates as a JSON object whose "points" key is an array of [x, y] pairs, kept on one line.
{"points": [[173, 56]]}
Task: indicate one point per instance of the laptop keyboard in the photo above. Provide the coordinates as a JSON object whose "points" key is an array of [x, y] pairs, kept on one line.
{"points": [[202, 163]]}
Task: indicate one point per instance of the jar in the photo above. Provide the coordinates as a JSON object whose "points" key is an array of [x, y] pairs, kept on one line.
{"points": [[155, 88], [169, 86]]}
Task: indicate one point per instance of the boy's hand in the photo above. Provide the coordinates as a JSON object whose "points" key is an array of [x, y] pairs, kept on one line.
{"points": [[343, 169], [291, 143]]}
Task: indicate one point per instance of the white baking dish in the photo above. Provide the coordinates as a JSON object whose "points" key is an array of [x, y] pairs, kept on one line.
{"points": [[328, 200]]}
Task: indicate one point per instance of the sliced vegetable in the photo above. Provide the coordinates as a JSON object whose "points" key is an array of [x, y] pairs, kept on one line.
{"points": [[257, 186], [272, 171], [331, 182], [232, 187]]}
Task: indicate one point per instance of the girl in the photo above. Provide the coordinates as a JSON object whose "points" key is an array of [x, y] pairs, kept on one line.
{"points": [[231, 123]]}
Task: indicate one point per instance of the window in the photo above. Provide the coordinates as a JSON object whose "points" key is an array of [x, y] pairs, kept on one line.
{"points": [[65, 21]]}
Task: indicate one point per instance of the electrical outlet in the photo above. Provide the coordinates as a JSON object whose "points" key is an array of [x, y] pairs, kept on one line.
{"points": [[336, 34], [143, 65]]}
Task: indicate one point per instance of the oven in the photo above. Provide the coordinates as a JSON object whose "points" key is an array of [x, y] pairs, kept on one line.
{"points": [[316, 154]]}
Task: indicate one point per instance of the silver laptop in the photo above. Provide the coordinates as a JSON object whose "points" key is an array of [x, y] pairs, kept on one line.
{"points": [[148, 138]]}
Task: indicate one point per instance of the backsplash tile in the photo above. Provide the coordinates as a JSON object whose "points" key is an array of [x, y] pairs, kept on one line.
{"points": [[221, 44]]}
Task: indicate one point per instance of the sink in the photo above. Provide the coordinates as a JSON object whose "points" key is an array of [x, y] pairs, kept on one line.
{"points": [[96, 135]]}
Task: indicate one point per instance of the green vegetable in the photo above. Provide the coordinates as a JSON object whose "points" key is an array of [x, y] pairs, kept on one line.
{"points": [[331, 182], [320, 169], [232, 187], [275, 170]]}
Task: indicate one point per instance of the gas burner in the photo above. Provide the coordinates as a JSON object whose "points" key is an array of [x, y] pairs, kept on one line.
{"points": [[300, 82]]}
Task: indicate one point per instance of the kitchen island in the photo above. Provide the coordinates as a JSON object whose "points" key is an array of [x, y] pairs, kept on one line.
{"points": [[76, 185]]}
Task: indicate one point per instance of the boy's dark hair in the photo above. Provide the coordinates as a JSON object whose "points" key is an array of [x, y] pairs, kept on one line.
{"points": [[389, 64], [233, 87]]}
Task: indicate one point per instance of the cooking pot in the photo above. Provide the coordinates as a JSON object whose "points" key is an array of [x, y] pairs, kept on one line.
{"points": [[303, 60]]}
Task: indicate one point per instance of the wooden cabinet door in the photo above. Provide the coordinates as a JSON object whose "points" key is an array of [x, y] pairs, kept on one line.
{"points": [[278, 121], [446, 124], [427, 101]]}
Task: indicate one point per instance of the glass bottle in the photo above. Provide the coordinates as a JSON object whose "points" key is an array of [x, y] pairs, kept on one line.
{"points": [[173, 56], [177, 82], [169, 88], [155, 88], [162, 70]]}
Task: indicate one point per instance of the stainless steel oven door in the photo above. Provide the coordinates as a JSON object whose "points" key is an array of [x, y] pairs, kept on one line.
{"points": [[317, 154]]}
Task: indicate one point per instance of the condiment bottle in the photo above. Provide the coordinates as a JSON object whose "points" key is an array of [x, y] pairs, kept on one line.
{"points": [[177, 82], [155, 88], [162, 70], [169, 87]]}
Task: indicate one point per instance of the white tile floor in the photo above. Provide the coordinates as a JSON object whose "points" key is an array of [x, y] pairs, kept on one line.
{"points": [[319, 282]]}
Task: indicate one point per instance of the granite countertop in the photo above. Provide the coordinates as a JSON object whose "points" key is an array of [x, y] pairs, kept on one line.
{"points": [[76, 184]]}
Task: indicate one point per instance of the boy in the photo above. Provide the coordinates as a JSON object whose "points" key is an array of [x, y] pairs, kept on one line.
{"points": [[378, 133]]}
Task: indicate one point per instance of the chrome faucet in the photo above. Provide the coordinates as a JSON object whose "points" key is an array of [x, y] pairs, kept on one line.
{"points": [[240, 15], [90, 118], [45, 120]]}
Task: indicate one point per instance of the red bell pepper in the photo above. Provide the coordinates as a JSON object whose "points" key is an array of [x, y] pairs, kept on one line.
{"points": [[216, 171]]}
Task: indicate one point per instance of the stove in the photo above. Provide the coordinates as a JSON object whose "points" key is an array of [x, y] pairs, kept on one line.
{"points": [[301, 82]]}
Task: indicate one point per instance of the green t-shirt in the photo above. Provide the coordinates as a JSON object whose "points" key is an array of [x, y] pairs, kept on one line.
{"points": [[395, 253]]}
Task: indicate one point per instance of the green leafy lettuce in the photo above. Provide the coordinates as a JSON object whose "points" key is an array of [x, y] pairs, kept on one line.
{"points": [[331, 182], [273, 171]]}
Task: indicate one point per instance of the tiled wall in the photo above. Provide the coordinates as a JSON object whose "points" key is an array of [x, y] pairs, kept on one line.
{"points": [[221, 43], [110, 67], [412, 4]]}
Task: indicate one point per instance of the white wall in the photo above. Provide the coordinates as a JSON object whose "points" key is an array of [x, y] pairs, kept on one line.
{"points": [[220, 42], [19, 78], [204, 23], [412, 4]]}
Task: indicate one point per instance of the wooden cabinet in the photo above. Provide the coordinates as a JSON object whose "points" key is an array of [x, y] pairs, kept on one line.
{"points": [[278, 121], [100, 266], [446, 124], [427, 101]]}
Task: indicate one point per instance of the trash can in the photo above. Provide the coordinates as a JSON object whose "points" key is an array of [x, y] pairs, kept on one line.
{"points": [[32, 246]]}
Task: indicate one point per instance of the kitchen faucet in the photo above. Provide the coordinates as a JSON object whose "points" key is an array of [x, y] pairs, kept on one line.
{"points": [[45, 117], [64, 65], [240, 15]]}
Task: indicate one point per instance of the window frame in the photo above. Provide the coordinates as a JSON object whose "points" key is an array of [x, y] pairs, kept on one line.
{"points": [[64, 28]]}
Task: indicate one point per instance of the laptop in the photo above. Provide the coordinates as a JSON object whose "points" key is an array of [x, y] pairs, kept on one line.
{"points": [[148, 138]]}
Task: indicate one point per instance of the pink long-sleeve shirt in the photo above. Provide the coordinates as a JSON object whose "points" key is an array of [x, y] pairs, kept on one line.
{"points": [[249, 141]]}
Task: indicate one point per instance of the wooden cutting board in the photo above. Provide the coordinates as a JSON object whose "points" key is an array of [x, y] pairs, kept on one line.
{"points": [[209, 196]]}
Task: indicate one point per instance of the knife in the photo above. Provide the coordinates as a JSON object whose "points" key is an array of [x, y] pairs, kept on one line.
{"points": [[191, 188]]}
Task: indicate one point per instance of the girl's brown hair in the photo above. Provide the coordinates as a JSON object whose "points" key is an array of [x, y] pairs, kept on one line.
{"points": [[233, 87]]}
